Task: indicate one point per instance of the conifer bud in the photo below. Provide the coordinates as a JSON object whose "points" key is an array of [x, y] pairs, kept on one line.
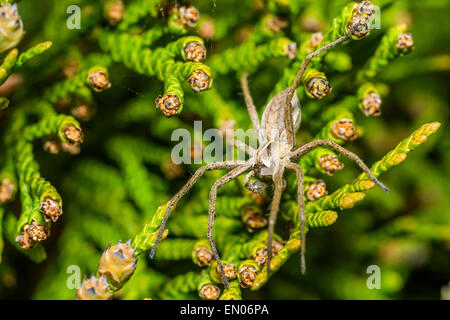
{"points": [[117, 264], [94, 289]]}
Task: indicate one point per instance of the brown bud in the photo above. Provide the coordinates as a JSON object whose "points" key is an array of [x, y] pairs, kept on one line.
{"points": [[230, 271], [360, 23], [316, 39], [371, 104], [207, 29], [344, 130], [25, 241], [83, 111], [51, 209], [199, 81], [203, 256], [70, 148], [52, 146], [169, 104], [318, 87], [290, 50], [99, 81], [405, 42], [37, 232], [114, 12], [6, 190], [261, 256], [253, 219], [330, 163], [316, 190], [117, 263], [247, 275], [188, 16], [209, 292], [172, 170], [195, 51], [365, 8], [73, 134], [94, 289], [277, 24], [71, 68]]}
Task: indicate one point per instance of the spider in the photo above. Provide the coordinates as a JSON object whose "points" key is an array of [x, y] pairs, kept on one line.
{"points": [[276, 136]]}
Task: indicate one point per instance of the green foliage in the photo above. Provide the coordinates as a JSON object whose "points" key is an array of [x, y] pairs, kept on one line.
{"points": [[106, 158]]}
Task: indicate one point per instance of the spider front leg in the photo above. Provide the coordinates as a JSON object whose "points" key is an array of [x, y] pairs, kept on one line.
{"points": [[212, 166], [212, 211], [274, 208], [301, 208], [318, 143], [253, 114]]}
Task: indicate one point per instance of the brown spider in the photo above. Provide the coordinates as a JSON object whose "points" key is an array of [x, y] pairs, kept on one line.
{"points": [[276, 136]]}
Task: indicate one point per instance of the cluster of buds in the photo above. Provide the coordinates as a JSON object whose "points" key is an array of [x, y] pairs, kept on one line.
{"points": [[316, 190], [98, 80], [32, 233], [11, 27], [195, 51], [276, 23], [51, 209], [316, 84], [248, 270], [71, 68], [171, 170], [316, 39], [405, 42], [169, 104], [6, 190], [94, 289], [188, 15], [344, 129], [199, 81], [209, 292], [83, 111], [359, 21], [290, 49], [207, 29], [330, 163], [73, 134], [54, 146], [261, 256], [114, 12], [202, 254], [371, 104], [230, 271], [117, 264], [253, 218]]}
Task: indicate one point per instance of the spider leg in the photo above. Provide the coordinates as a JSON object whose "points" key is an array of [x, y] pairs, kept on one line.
{"points": [[301, 208], [315, 144], [249, 103], [275, 206], [212, 210], [187, 187], [287, 114]]}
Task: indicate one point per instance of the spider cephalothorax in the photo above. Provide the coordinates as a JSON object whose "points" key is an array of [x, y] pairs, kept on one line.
{"points": [[275, 153]]}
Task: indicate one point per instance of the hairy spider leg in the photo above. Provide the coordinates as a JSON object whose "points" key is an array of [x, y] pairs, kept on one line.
{"points": [[275, 206], [233, 174], [287, 114], [306, 148], [225, 165], [301, 210]]}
